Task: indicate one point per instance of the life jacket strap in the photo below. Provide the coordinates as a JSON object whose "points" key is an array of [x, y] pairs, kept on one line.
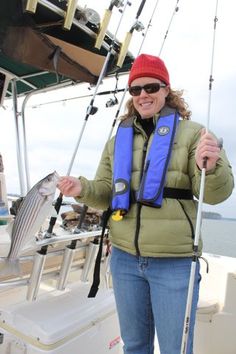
{"points": [[177, 193], [96, 274], [173, 193]]}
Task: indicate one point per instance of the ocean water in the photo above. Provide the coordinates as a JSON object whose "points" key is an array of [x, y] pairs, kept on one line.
{"points": [[219, 236]]}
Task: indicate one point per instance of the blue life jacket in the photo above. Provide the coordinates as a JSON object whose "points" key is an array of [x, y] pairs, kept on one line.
{"points": [[156, 163]]}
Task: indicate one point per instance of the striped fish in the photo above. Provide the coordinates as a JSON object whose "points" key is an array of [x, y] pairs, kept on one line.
{"points": [[33, 211]]}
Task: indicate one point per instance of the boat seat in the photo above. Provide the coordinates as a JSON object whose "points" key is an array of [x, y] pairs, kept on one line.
{"points": [[206, 309]]}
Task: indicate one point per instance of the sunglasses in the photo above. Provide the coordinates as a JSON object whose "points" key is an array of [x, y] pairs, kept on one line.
{"points": [[148, 88]]}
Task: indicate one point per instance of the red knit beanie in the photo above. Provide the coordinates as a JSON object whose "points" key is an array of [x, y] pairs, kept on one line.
{"points": [[149, 66]]}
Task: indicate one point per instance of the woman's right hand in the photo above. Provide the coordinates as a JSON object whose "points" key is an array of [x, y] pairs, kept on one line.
{"points": [[69, 186]]}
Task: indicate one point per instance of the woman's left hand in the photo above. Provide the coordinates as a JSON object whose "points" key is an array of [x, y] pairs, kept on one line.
{"points": [[208, 148]]}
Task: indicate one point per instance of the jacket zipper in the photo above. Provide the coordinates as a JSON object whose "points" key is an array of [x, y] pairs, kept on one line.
{"points": [[139, 206], [145, 170]]}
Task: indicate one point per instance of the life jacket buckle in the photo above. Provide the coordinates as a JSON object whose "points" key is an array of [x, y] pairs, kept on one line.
{"points": [[118, 215]]}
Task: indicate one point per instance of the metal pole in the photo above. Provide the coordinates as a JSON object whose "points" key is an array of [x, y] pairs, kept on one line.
{"points": [[18, 144]]}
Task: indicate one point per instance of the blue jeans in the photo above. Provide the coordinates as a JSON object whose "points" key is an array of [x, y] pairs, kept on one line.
{"points": [[151, 293]]}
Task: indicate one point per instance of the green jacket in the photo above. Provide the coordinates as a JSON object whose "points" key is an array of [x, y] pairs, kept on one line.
{"points": [[169, 230]]}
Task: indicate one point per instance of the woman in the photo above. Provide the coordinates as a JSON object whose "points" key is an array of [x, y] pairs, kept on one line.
{"points": [[149, 174]]}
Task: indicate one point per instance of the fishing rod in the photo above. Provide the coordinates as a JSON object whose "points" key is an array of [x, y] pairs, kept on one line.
{"points": [[148, 26], [138, 26], [102, 93], [40, 255], [199, 211], [126, 88], [168, 28]]}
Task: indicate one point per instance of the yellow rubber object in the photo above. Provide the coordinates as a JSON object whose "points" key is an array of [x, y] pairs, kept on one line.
{"points": [[117, 216]]}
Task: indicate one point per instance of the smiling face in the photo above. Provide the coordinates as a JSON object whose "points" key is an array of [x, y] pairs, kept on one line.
{"points": [[148, 104]]}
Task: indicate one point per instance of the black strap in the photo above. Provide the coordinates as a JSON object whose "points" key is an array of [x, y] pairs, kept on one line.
{"points": [[174, 193], [96, 274], [177, 193]]}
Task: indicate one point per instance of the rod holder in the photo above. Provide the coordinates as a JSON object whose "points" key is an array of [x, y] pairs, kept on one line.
{"points": [[91, 253], [65, 268], [36, 275], [70, 13]]}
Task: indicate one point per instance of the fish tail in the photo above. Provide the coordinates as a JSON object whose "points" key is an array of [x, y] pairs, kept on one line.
{"points": [[10, 267]]}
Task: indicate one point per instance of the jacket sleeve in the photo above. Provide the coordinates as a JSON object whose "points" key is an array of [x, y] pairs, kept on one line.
{"points": [[97, 193], [219, 182]]}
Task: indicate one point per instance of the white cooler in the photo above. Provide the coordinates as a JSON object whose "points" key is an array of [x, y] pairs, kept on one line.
{"points": [[65, 322]]}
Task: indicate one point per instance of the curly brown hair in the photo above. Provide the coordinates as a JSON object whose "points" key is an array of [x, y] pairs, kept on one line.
{"points": [[173, 100]]}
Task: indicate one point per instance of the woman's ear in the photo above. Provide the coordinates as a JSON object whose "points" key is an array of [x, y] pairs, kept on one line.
{"points": [[167, 90]]}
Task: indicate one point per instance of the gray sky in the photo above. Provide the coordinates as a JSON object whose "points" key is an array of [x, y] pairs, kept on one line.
{"points": [[53, 129]]}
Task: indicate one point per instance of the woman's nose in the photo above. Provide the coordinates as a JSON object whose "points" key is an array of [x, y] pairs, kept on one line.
{"points": [[143, 93]]}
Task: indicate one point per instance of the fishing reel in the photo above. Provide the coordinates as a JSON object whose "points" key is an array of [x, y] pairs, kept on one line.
{"points": [[87, 15], [117, 3], [112, 102], [138, 26], [91, 110]]}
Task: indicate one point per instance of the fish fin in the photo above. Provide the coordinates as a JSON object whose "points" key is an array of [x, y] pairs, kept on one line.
{"points": [[10, 267]]}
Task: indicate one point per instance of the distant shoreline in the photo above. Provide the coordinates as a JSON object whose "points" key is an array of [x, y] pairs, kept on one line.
{"points": [[226, 219], [221, 218], [215, 216]]}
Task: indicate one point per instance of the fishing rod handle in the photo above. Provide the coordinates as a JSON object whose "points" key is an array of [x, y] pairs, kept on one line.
{"points": [[138, 26], [140, 8], [124, 49], [103, 28], [188, 309]]}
